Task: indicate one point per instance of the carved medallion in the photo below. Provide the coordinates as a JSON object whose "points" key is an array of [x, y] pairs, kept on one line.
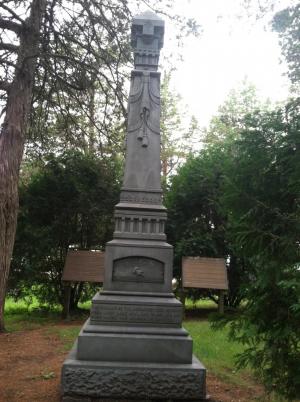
{"points": [[138, 269]]}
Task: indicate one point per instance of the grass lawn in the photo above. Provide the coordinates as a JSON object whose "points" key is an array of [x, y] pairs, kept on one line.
{"points": [[211, 346], [215, 351]]}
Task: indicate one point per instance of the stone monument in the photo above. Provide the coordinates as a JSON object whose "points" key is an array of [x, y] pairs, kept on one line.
{"points": [[133, 345]]}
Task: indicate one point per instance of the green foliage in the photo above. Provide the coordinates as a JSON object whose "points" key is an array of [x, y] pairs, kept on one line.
{"points": [[265, 205], [229, 120], [197, 226], [240, 198], [269, 329], [66, 202], [287, 23], [261, 196]]}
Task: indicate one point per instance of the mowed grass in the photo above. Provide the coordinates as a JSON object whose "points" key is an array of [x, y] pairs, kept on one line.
{"points": [[27, 314], [212, 347], [216, 351]]}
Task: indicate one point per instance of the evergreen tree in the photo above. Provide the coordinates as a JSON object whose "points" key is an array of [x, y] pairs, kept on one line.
{"points": [[261, 201], [65, 202]]}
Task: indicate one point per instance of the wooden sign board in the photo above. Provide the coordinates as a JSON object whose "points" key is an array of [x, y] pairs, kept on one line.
{"points": [[84, 266], [204, 273]]}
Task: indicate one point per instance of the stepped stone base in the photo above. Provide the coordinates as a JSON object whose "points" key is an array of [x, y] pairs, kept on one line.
{"points": [[134, 347], [93, 381]]}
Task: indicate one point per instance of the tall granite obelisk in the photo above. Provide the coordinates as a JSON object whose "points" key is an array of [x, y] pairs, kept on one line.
{"points": [[133, 345]]}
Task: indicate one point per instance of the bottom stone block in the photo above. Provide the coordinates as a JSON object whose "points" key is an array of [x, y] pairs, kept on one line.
{"points": [[136, 381]]}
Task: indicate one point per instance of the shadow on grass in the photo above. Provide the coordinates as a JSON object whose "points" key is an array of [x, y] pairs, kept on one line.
{"points": [[24, 318], [199, 313]]}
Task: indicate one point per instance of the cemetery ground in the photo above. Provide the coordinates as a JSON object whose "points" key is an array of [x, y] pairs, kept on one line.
{"points": [[37, 341]]}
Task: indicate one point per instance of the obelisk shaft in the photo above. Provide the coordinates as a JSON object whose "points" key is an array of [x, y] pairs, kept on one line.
{"points": [[142, 183]]}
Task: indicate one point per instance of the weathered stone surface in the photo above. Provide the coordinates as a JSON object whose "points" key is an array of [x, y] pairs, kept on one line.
{"points": [[149, 250], [130, 383], [144, 348], [141, 197], [147, 36], [70, 398], [138, 269], [134, 381], [142, 164], [137, 310], [141, 223], [133, 329], [112, 313]]}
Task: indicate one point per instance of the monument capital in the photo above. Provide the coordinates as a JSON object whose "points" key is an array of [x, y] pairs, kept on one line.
{"points": [[147, 36]]}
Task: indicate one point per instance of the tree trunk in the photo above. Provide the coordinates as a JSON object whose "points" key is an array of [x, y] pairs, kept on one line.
{"points": [[91, 125], [12, 139]]}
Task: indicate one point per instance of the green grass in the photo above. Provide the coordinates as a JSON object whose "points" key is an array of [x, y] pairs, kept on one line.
{"points": [[28, 314], [211, 346], [216, 352], [203, 304], [66, 335], [86, 305]]}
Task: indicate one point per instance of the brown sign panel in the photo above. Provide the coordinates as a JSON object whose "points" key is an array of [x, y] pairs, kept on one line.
{"points": [[84, 266], [204, 273]]}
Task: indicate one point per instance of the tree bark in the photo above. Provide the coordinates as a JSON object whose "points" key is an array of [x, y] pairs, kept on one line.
{"points": [[12, 138]]}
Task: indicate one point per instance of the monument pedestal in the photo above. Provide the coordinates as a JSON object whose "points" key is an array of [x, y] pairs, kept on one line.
{"points": [[132, 380], [139, 351], [133, 347]]}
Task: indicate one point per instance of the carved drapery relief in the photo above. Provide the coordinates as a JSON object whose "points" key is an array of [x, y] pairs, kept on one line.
{"points": [[144, 106]]}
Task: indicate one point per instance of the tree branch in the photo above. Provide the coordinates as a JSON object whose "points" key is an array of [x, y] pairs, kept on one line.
{"points": [[9, 46], [4, 61], [4, 86], [12, 13], [12, 26]]}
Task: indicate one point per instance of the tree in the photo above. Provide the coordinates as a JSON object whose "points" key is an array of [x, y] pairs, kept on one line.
{"points": [[176, 138], [56, 52], [66, 202], [12, 135], [240, 198], [226, 123], [197, 225], [261, 197], [60, 46], [286, 23]]}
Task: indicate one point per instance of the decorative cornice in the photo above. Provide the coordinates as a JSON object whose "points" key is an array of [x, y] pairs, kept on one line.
{"points": [[147, 36]]}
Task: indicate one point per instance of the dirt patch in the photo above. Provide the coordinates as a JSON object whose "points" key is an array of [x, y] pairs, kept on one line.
{"points": [[220, 391], [30, 364]]}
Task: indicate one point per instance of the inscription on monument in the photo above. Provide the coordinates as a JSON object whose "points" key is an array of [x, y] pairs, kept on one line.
{"points": [[135, 314], [138, 269], [140, 197]]}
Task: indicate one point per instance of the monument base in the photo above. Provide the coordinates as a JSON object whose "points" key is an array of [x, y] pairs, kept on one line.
{"points": [[93, 381]]}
